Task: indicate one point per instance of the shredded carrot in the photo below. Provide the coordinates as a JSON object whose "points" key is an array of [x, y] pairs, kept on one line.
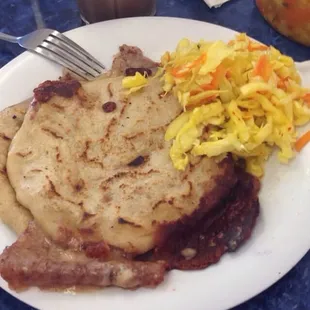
{"points": [[257, 47], [263, 68], [202, 102], [218, 75], [281, 83], [195, 92], [202, 88], [201, 59], [306, 98], [182, 71], [209, 86], [302, 141]]}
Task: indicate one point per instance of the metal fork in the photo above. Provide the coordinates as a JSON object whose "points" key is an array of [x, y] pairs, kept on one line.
{"points": [[60, 49]]}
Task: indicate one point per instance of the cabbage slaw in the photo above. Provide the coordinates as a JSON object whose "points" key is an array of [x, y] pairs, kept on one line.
{"points": [[242, 97]]}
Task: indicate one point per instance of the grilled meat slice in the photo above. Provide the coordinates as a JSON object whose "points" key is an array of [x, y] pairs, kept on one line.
{"points": [[131, 57], [33, 260]]}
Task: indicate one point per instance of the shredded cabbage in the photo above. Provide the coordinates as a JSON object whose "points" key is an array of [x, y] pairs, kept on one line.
{"points": [[134, 83], [242, 97]]}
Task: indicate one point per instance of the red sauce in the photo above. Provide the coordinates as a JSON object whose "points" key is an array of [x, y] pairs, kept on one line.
{"points": [[46, 90]]}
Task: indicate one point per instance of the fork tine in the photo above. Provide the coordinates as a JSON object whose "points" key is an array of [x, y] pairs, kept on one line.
{"points": [[54, 57], [77, 47], [75, 53], [68, 57]]}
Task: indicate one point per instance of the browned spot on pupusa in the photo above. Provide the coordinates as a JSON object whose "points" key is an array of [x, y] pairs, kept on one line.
{"points": [[79, 185], [132, 174], [161, 95], [98, 163], [53, 133], [189, 191], [87, 216], [111, 124], [106, 198], [4, 137], [139, 190], [124, 104], [134, 136], [158, 203], [124, 221], [104, 186], [58, 158], [84, 155], [110, 91], [3, 171], [57, 107], [24, 154], [52, 189], [35, 170], [161, 128]]}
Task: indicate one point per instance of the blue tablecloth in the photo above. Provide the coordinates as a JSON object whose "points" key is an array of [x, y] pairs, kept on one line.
{"points": [[16, 18]]}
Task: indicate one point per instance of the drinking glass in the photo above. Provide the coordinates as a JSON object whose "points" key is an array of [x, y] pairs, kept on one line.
{"points": [[93, 11]]}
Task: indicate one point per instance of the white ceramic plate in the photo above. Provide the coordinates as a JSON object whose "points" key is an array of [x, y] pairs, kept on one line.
{"points": [[280, 239]]}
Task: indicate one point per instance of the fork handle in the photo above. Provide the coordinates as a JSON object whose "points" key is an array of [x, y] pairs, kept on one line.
{"points": [[8, 38]]}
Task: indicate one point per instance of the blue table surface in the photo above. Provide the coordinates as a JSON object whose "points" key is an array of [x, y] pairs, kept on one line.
{"points": [[16, 18]]}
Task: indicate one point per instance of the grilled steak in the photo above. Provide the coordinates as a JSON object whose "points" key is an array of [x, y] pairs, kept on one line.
{"points": [[34, 260], [130, 58]]}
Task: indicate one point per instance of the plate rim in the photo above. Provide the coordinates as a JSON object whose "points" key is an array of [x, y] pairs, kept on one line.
{"points": [[26, 56]]}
